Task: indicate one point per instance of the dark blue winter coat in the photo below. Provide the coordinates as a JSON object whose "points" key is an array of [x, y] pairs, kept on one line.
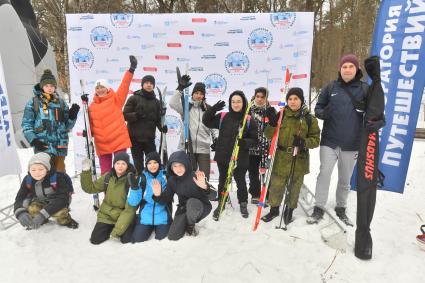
{"points": [[342, 124], [151, 212], [52, 127]]}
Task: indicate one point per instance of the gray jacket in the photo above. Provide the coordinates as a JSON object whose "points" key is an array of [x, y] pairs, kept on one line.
{"points": [[200, 135]]}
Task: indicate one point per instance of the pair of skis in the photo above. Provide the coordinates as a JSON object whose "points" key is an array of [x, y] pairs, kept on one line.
{"points": [[265, 181], [89, 143], [163, 152], [186, 97]]}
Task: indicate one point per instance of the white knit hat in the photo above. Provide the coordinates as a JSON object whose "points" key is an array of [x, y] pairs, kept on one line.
{"points": [[102, 82], [40, 158]]}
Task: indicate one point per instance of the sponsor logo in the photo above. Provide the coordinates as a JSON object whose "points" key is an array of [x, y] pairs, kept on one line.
{"points": [[75, 29], [159, 35], [180, 59], [236, 63], [174, 44], [289, 45], [144, 25], [251, 83], [150, 69], [133, 37], [102, 72], [300, 32], [223, 43], [262, 71], [121, 20], [170, 23], [220, 22], [204, 34], [215, 84], [162, 57], [82, 59], [196, 69], [87, 17], [299, 76], [174, 125], [276, 58], [248, 18], [186, 32], [208, 56], [169, 71], [123, 48], [146, 46], [260, 40], [274, 80], [195, 47], [300, 53], [283, 20], [199, 20], [101, 37], [233, 31]]}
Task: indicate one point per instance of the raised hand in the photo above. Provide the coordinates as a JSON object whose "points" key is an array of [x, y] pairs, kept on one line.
{"points": [[156, 187], [200, 180]]}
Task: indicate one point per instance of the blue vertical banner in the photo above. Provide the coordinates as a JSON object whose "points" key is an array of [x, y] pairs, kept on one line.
{"points": [[399, 42]]}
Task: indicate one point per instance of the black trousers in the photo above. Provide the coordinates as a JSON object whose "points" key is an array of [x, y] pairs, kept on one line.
{"points": [[102, 232], [239, 176], [137, 151], [254, 176], [201, 162]]}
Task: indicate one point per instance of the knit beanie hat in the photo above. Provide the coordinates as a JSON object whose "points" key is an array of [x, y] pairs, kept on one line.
{"points": [[148, 78], [40, 158], [153, 156], [47, 78], [351, 58], [296, 91], [199, 87], [102, 82], [122, 156]]}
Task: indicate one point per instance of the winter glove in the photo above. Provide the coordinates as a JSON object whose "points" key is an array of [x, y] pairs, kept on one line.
{"points": [[133, 64], [38, 220], [132, 181], [73, 112], [218, 106], [25, 220], [214, 144], [86, 164], [184, 82], [85, 98], [39, 145], [164, 129], [373, 126], [298, 142], [373, 68]]}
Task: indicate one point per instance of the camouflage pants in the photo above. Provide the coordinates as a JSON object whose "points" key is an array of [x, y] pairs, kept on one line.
{"points": [[278, 186], [62, 216]]}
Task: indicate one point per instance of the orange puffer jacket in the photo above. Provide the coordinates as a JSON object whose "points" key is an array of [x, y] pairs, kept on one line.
{"points": [[107, 121]]}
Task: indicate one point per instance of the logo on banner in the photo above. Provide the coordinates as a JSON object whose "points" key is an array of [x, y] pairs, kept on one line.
{"points": [[82, 59], [260, 40], [283, 20], [236, 63], [173, 125], [215, 84], [4, 121], [101, 37], [121, 20]]}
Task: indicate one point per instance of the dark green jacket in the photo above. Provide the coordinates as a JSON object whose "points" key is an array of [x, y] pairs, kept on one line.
{"points": [[289, 127], [114, 209]]}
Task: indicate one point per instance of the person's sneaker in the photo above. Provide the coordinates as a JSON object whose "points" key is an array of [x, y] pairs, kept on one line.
{"points": [[274, 212], [255, 200], [340, 212], [316, 216], [191, 230], [72, 224], [244, 209]]}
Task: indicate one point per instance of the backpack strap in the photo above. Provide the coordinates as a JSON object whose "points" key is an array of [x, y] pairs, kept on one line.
{"points": [[59, 114], [106, 181]]}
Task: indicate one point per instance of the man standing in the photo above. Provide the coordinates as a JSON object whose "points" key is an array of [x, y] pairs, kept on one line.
{"points": [[341, 106]]}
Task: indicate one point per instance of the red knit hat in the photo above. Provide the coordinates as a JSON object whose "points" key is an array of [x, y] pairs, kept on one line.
{"points": [[349, 58]]}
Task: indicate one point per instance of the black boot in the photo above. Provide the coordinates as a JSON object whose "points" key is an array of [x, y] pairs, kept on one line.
{"points": [[72, 224], [244, 209], [191, 230], [274, 212], [363, 244], [287, 215], [340, 212], [316, 216], [216, 213]]}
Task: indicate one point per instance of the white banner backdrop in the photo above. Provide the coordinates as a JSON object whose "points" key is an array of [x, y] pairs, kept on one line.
{"points": [[9, 162], [225, 51]]}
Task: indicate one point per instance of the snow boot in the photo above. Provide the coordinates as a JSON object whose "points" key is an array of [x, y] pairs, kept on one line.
{"points": [[273, 213], [244, 209], [287, 215], [72, 224], [363, 244], [191, 230], [255, 200], [340, 212], [421, 238], [316, 216]]}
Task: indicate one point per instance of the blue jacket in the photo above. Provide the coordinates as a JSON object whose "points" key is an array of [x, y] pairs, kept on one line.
{"points": [[52, 127], [151, 212], [342, 126]]}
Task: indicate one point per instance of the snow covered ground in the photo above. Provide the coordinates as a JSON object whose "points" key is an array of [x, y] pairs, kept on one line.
{"points": [[224, 251]]}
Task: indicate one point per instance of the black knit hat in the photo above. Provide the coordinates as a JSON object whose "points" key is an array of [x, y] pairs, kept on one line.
{"points": [[199, 87], [153, 156], [47, 78], [122, 156], [148, 78], [296, 91]]}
